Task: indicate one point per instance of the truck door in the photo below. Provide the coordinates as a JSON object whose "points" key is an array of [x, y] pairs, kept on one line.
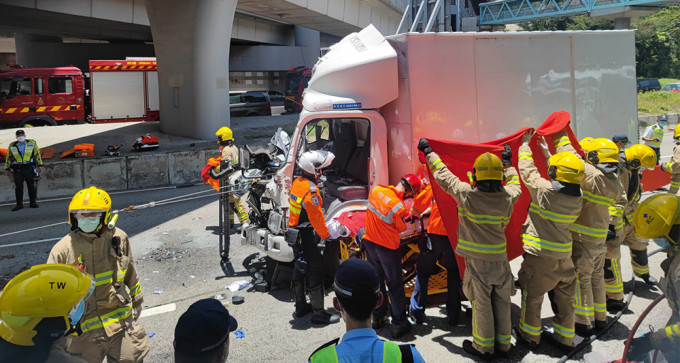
{"points": [[16, 95], [60, 99]]}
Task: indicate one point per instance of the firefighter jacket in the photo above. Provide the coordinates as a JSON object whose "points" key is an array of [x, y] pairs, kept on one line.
{"points": [[603, 199], [631, 180], [31, 155], [385, 217], [305, 207], [670, 285], [546, 229], [482, 217], [109, 310], [426, 200], [673, 167], [229, 157]]}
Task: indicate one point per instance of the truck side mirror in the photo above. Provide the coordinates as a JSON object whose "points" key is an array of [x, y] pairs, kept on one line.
{"points": [[244, 158]]}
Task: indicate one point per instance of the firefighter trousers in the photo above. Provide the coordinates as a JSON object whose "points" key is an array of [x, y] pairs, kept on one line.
{"points": [[591, 298], [537, 276], [488, 285], [127, 346], [387, 263], [612, 265]]}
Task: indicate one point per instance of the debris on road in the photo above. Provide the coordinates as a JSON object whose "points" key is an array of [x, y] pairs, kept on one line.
{"points": [[151, 334], [237, 300], [239, 333], [239, 285], [157, 292]]}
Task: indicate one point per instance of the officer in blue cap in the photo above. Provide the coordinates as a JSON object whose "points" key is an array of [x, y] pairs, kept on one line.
{"points": [[202, 333]]}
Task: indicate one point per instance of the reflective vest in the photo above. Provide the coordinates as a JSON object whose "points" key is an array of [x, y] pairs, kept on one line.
{"points": [[305, 207], [657, 132], [31, 154], [384, 219], [426, 200], [391, 353]]}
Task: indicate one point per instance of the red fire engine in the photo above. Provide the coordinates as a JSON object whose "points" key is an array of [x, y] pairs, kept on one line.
{"points": [[116, 90]]}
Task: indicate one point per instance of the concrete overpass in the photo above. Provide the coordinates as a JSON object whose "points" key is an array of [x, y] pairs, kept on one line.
{"points": [[191, 41]]}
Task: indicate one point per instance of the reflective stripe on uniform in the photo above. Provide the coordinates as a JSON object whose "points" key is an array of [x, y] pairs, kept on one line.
{"points": [[386, 218], [503, 339], [562, 141], [135, 289], [482, 218], [600, 308], [552, 216], [513, 179], [482, 248], [619, 224], [545, 244], [588, 231], [615, 212], [567, 333], [436, 165], [107, 277], [658, 133], [672, 331], [675, 184], [106, 319], [529, 329], [525, 156], [640, 270], [617, 286], [579, 309], [295, 203], [597, 199], [484, 342]]}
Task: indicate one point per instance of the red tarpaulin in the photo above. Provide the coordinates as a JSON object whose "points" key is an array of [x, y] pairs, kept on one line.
{"points": [[459, 158], [655, 179]]}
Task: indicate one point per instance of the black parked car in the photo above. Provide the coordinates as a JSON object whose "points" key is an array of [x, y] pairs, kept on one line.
{"points": [[256, 103], [648, 84]]}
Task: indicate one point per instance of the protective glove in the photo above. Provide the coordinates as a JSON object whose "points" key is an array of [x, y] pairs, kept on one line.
{"points": [[639, 347], [611, 233], [506, 155], [136, 312], [663, 167], [544, 147], [526, 138], [424, 146]]}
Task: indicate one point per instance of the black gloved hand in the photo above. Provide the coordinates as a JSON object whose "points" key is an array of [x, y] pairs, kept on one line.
{"points": [[639, 347], [506, 155], [424, 146], [611, 233]]}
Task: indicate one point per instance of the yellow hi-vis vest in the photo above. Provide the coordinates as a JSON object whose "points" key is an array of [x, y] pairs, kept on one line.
{"points": [[392, 352]]}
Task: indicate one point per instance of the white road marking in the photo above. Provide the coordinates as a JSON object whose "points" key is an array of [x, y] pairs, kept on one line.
{"points": [[30, 242], [158, 310]]}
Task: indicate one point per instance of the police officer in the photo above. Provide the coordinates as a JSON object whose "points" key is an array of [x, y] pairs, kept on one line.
{"points": [[109, 325], [658, 218], [305, 218], [23, 157], [484, 211], [653, 135], [38, 308]]}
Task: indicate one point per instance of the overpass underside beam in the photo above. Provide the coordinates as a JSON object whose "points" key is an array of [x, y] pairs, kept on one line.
{"points": [[191, 41]]}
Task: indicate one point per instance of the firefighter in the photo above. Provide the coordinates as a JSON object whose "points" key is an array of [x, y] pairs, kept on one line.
{"points": [[603, 203], [653, 135], [434, 248], [229, 164], [384, 221], [306, 218], [547, 265], [484, 211], [23, 158], [39, 307], [658, 218], [630, 160], [109, 325], [673, 166]]}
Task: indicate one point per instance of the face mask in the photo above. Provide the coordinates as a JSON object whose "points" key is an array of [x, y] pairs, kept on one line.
{"points": [[21, 138], [663, 123], [662, 242], [88, 225]]}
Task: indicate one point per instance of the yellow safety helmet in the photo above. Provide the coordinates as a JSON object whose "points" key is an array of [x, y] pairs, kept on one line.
{"points": [[90, 200], [488, 167], [43, 291], [566, 167], [586, 144], [601, 150], [640, 155], [676, 133], [224, 134], [656, 215]]}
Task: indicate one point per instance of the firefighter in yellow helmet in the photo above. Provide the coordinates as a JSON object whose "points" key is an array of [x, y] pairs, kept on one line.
{"points": [[603, 202], [673, 166], [38, 308], [547, 265], [631, 160], [229, 164], [658, 218], [109, 324], [484, 211]]}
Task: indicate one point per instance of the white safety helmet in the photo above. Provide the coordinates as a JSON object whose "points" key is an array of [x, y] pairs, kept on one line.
{"points": [[312, 162]]}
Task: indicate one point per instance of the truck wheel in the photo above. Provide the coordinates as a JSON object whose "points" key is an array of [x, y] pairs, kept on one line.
{"points": [[37, 121]]}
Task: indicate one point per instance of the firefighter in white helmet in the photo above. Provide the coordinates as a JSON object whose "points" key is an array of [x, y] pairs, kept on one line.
{"points": [[306, 221], [484, 211], [673, 166], [631, 160], [547, 265], [658, 218], [229, 164], [109, 325], [603, 203], [38, 308]]}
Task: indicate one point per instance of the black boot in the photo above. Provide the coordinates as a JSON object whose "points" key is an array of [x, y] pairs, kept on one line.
{"points": [[470, 349], [17, 207], [599, 325], [302, 307], [320, 315], [546, 336], [583, 330], [640, 258], [614, 306], [649, 280]]}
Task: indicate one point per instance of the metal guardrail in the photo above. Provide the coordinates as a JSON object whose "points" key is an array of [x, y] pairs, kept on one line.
{"points": [[514, 11]]}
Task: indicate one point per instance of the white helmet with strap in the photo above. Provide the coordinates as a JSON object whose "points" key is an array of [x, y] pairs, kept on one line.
{"points": [[312, 162]]}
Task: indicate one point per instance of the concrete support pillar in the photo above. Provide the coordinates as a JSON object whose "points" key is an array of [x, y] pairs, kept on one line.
{"points": [[191, 40], [622, 23], [310, 42]]}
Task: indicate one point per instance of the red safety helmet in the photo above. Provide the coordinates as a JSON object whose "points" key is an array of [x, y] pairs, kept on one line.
{"points": [[413, 182]]}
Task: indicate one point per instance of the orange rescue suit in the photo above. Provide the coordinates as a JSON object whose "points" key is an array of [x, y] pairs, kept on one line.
{"points": [[385, 217], [426, 200], [305, 207]]}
